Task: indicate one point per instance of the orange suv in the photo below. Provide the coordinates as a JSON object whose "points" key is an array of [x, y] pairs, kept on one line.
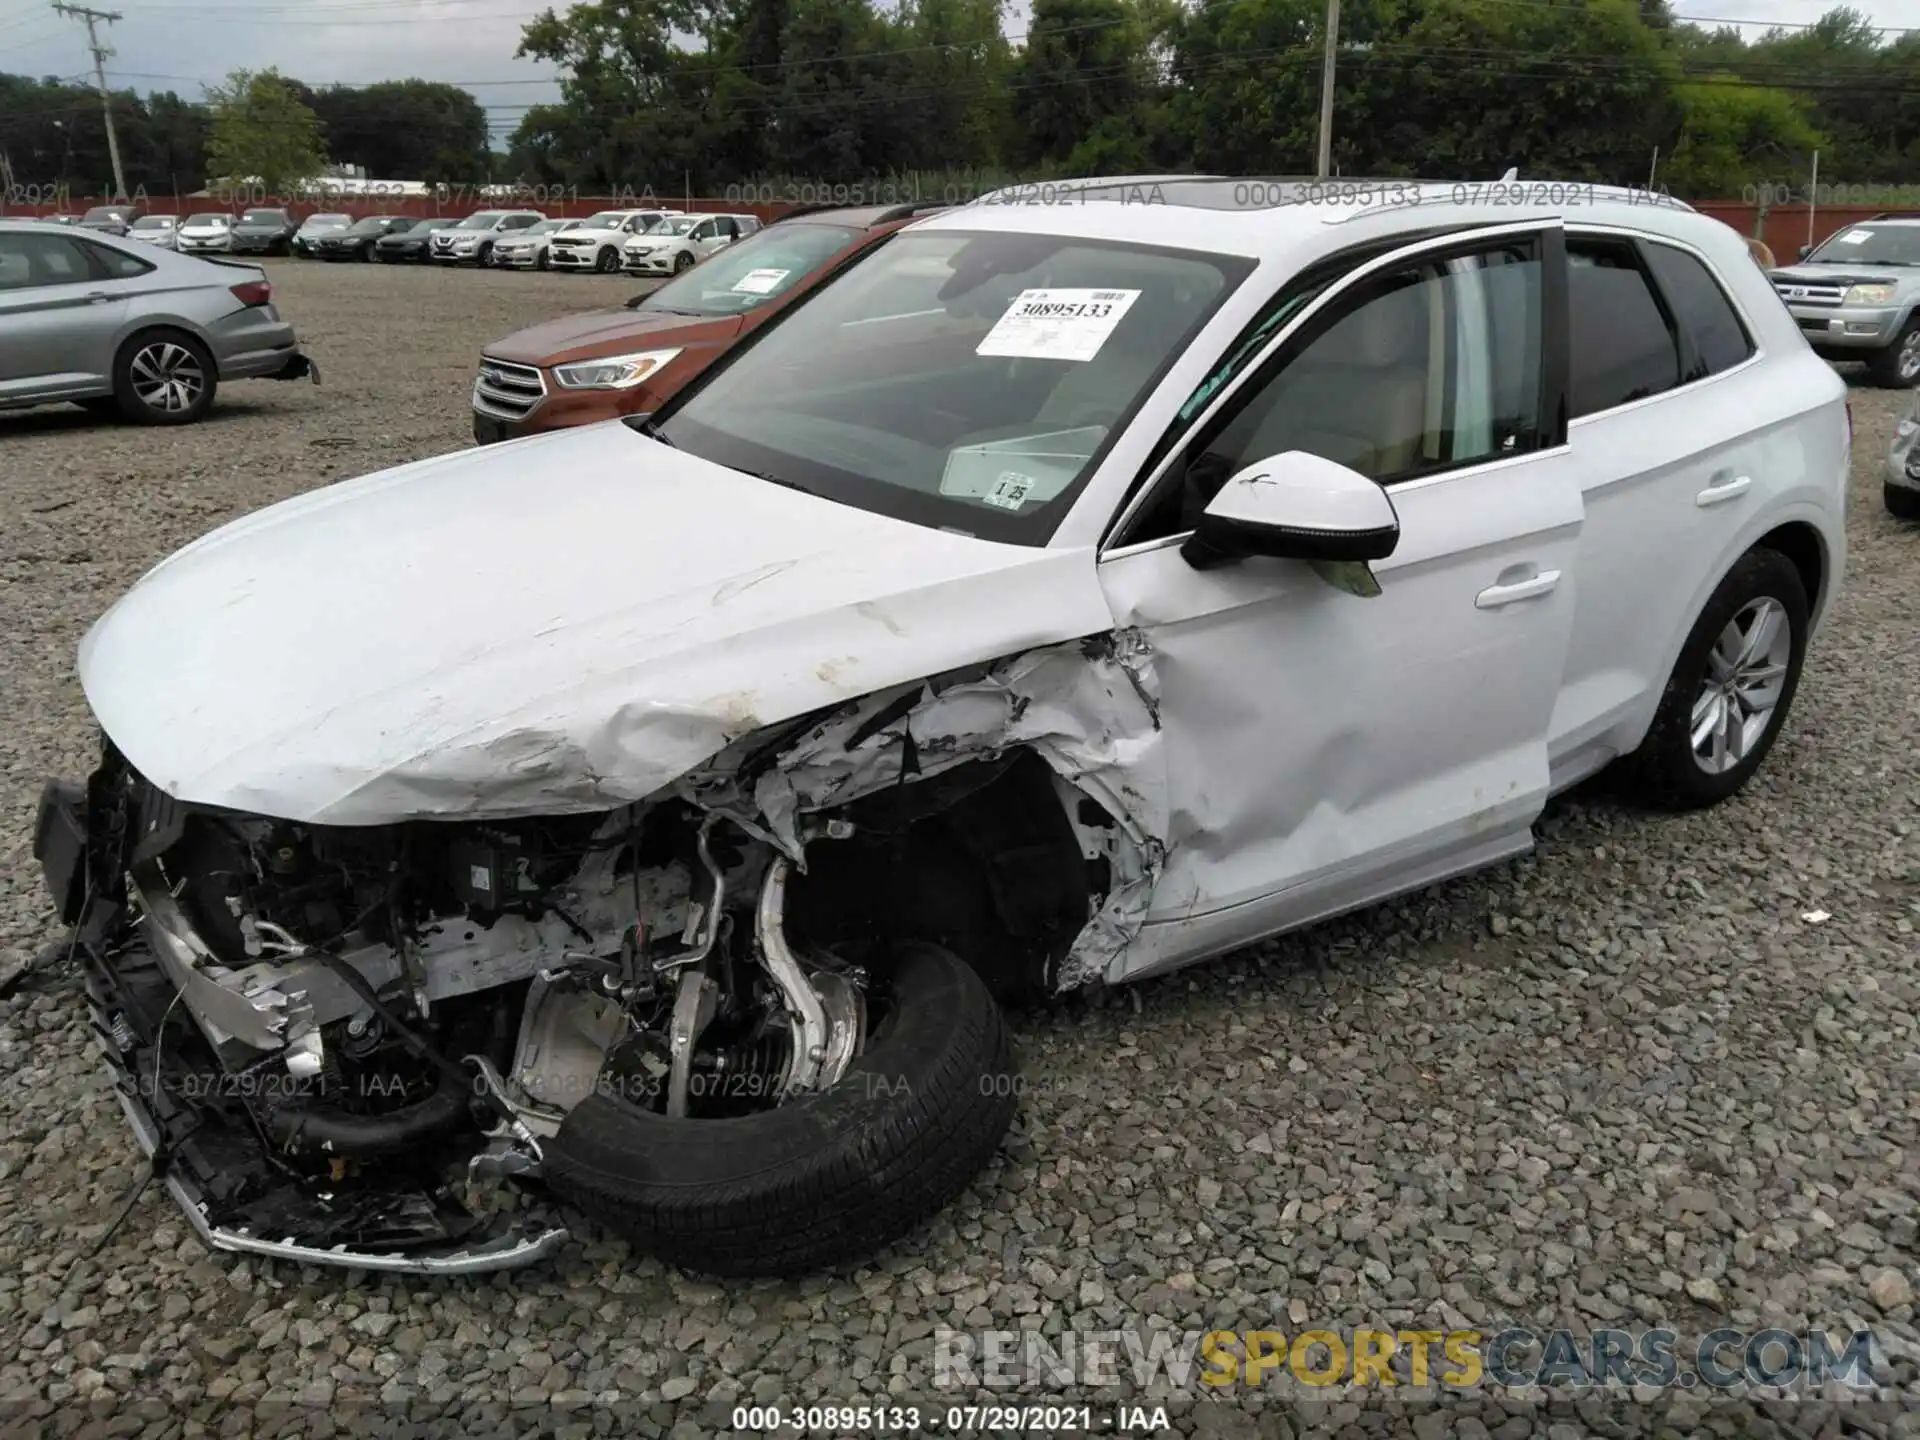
{"points": [[604, 364]]}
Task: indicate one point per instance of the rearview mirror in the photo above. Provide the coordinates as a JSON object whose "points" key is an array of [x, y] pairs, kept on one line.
{"points": [[1805, 251], [1295, 506]]}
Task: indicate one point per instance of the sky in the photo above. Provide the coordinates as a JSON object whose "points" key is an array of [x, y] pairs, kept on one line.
{"points": [[177, 45]]}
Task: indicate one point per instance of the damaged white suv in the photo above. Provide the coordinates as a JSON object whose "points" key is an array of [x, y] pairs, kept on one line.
{"points": [[659, 811]]}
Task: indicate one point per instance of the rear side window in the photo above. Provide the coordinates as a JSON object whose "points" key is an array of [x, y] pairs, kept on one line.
{"points": [[28, 260], [1623, 347], [1720, 341]]}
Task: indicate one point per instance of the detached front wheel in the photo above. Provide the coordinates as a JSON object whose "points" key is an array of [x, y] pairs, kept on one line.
{"points": [[823, 1179]]}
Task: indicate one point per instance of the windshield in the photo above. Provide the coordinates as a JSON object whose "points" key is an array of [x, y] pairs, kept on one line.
{"points": [[372, 225], [106, 212], [155, 222], [544, 227], [606, 220], [215, 220], [969, 382], [752, 271], [673, 225], [485, 220], [263, 217], [318, 222], [1871, 245]]}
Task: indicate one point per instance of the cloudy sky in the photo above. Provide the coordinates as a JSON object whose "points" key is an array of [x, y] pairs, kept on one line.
{"points": [[177, 45]]}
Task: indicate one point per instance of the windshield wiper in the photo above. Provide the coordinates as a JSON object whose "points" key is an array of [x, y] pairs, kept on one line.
{"points": [[643, 425]]}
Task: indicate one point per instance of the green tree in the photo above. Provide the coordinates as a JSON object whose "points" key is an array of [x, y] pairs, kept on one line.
{"points": [[1734, 136], [262, 133], [406, 130], [1087, 65]]}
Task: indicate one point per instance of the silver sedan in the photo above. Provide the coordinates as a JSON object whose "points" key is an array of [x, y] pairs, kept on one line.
{"points": [[118, 326]]}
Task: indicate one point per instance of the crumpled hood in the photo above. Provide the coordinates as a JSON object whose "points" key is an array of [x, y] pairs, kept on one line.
{"points": [[1838, 274], [598, 333], [567, 622]]}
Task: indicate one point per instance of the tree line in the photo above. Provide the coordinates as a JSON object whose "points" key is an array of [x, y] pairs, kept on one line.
{"points": [[701, 95]]}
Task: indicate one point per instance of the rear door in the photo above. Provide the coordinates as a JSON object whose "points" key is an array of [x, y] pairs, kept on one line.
{"points": [[1664, 398], [60, 312]]}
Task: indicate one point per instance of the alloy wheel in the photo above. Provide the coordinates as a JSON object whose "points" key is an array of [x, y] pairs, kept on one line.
{"points": [[167, 377], [1746, 676], [1909, 362]]}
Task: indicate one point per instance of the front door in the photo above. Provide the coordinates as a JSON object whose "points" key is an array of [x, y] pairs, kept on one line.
{"points": [[1326, 747]]}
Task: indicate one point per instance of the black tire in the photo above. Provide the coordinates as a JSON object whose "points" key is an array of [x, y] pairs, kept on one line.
{"points": [[1664, 771], [136, 408], [607, 261], [540, 261], [823, 1180], [484, 256], [1888, 369], [1901, 502], [682, 263]]}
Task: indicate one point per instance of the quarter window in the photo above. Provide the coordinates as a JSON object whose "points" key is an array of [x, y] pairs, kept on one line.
{"points": [[1623, 343], [116, 264], [1420, 370], [1707, 317]]}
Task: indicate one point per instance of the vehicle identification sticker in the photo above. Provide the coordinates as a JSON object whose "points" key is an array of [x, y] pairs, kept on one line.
{"points": [[1069, 324], [1010, 491], [759, 282], [1856, 237]]}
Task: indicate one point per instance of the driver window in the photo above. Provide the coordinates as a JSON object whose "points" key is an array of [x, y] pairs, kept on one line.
{"points": [[1413, 372]]}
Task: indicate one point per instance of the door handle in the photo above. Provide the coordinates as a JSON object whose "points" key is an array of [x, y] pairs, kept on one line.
{"points": [[1531, 588], [98, 297], [1724, 488]]}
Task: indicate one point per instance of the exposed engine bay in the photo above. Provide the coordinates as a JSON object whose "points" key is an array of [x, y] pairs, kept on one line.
{"points": [[378, 1017]]}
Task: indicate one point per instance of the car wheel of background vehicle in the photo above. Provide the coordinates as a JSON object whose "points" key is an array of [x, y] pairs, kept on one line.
{"points": [[1730, 690], [163, 377], [682, 262], [1898, 366], [541, 262], [607, 261], [1902, 502], [823, 1179], [485, 255]]}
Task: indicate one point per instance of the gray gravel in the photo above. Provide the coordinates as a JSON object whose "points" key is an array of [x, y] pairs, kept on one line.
{"points": [[1619, 1081]]}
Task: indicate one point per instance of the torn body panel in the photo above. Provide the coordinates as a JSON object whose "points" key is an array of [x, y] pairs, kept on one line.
{"points": [[1090, 709]]}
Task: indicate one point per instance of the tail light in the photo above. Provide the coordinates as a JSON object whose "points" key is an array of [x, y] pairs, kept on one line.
{"points": [[253, 292]]}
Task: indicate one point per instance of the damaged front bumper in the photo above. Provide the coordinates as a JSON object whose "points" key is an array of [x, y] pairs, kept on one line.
{"points": [[191, 1119]]}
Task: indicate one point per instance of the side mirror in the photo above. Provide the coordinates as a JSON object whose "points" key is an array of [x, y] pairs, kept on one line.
{"points": [[1295, 506], [1805, 251]]}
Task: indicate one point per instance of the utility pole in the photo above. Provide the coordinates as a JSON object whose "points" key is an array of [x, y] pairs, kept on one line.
{"points": [[1326, 91], [100, 54]]}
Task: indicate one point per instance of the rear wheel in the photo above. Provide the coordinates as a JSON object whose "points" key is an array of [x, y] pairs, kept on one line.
{"points": [[823, 1178], [1730, 690], [164, 377]]}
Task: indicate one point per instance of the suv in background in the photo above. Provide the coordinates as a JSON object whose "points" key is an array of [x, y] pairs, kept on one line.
{"points": [[606, 363], [209, 231], [595, 243], [264, 231], [1854, 296], [111, 219], [471, 241], [683, 242]]}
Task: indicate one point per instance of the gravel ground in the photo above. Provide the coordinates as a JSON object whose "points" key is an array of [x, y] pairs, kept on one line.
{"points": [[1624, 1080]]}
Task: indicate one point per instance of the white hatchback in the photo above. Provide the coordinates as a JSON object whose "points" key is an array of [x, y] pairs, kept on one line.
{"points": [[1063, 593]]}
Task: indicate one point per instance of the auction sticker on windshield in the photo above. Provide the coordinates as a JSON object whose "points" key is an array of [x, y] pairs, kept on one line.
{"points": [[760, 282], [1057, 324], [1856, 237]]}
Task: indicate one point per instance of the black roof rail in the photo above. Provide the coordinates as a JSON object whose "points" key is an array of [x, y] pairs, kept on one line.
{"points": [[916, 207]]}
